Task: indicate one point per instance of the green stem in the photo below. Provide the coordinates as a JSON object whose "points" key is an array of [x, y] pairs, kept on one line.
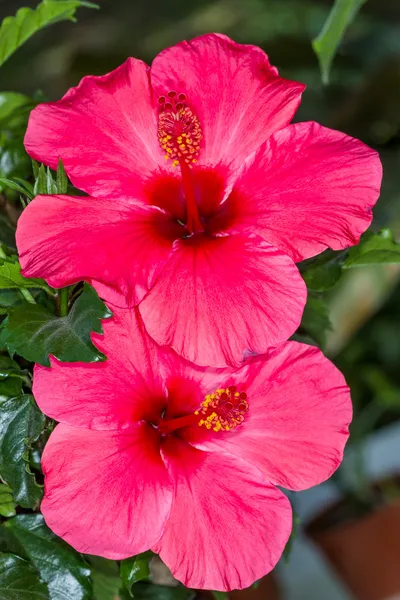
{"points": [[63, 297], [27, 295]]}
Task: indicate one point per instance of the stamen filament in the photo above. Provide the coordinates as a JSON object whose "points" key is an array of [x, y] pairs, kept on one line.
{"points": [[193, 221], [168, 425]]}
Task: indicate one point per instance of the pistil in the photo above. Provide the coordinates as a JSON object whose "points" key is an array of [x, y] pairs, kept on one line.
{"points": [[193, 221], [180, 134]]}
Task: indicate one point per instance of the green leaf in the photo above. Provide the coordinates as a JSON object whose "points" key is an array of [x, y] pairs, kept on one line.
{"points": [[18, 185], [316, 320], [60, 566], [21, 423], [135, 569], [323, 272], [14, 31], [9, 102], [62, 179], [374, 248], [19, 580], [34, 333], [11, 377], [326, 44], [44, 183], [11, 278], [105, 576], [7, 504]]}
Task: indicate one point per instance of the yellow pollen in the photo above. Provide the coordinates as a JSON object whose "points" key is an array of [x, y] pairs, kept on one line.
{"points": [[225, 409], [179, 130]]}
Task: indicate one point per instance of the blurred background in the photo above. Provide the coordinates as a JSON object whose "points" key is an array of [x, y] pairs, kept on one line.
{"points": [[347, 541]]}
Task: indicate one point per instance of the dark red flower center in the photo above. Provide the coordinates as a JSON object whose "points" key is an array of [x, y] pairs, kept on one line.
{"points": [[223, 410]]}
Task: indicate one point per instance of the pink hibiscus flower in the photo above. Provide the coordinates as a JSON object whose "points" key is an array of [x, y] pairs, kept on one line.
{"points": [[203, 196], [153, 452]]}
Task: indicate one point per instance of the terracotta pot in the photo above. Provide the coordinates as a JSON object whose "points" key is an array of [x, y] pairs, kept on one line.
{"points": [[365, 552]]}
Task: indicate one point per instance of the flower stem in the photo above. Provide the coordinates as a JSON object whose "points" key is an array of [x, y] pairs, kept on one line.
{"points": [[63, 297]]}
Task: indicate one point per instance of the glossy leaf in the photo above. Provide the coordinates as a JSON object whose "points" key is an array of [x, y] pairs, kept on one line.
{"points": [[374, 248], [11, 377], [7, 504], [14, 31], [9, 102], [135, 569], [326, 44], [19, 580], [21, 423], [60, 566], [35, 333], [105, 576], [323, 272]]}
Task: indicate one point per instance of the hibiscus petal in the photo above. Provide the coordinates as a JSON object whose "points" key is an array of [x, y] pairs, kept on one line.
{"points": [[297, 424], [227, 528], [106, 493], [306, 189], [124, 389], [218, 299], [236, 94], [119, 248], [104, 130]]}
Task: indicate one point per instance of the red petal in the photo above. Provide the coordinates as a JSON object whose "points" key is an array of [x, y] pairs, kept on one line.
{"points": [[114, 394], [119, 247], [219, 299], [297, 424], [227, 527], [236, 94], [306, 189], [106, 493], [104, 130]]}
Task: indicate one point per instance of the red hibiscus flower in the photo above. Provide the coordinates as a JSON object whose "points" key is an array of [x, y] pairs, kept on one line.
{"points": [[203, 196], [153, 452]]}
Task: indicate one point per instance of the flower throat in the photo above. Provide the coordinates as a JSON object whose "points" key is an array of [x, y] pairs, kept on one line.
{"points": [[179, 134]]}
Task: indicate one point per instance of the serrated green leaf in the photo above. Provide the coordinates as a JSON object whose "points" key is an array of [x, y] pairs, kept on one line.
{"points": [[21, 423], [14, 31], [135, 569], [374, 248], [35, 333], [316, 322], [7, 504], [326, 44], [19, 580], [60, 566]]}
